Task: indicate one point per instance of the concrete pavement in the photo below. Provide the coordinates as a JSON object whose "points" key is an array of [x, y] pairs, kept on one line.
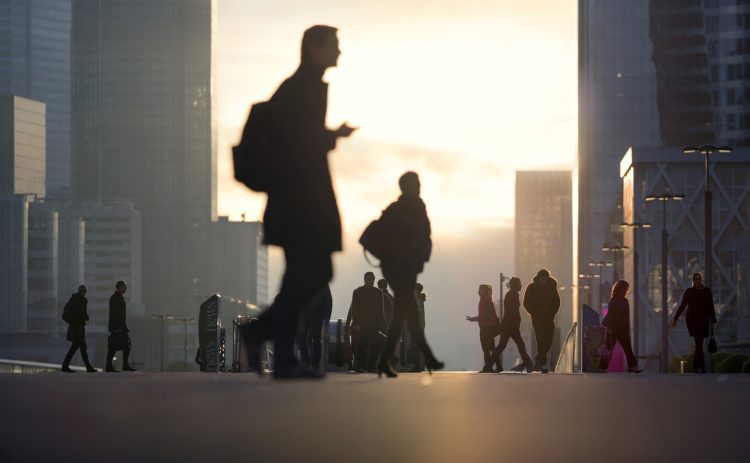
{"points": [[447, 417]]}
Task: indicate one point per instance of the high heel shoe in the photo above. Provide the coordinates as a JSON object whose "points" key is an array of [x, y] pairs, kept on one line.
{"points": [[433, 364], [384, 368]]}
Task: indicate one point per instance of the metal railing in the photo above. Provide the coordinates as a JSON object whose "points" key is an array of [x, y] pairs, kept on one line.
{"points": [[25, 367], [566, 361]]}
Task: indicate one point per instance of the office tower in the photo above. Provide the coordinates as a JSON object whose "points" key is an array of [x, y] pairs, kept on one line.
{"points": [[145, 130], [14, 219], [653, 73], [22, 146], [112, 252], [35, 54], [543, 235], [240, 261], [43, 312]]}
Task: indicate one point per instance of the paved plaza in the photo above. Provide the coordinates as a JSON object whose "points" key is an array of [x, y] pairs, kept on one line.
{"points": [[446, 417]]}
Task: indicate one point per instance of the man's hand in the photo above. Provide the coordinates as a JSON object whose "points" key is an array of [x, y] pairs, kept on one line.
{"points": [[674, 323], [344, 131]]}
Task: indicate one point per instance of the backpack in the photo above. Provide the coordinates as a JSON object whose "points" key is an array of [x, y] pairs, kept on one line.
{"points": [[375, 240], [252, 156], [66, 312]]}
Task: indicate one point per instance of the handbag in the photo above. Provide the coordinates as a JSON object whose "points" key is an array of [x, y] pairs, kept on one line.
{"points": [[712, 341]]}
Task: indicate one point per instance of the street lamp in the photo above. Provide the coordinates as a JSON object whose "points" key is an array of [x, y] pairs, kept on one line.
{"points": [[707, 151], [636, 296], [185, 344], [663, 198], [615, 250], [161, 317], [600, 265]]}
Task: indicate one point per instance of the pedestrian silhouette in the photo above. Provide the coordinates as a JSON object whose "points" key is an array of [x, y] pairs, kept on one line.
{"points": [[489, 327], [364, 320], [409, 247], [119, 337], [510, 326], [618, 322], [542, 301], [301, 215], [387, 304], [700, 317], [76, 316]]}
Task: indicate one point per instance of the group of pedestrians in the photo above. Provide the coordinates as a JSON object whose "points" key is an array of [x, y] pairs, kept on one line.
{"points": [[290, 143], [75, 314], [541, 300]]}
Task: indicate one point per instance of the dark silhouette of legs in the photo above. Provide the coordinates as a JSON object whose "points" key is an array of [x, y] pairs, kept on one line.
{"points": [[304, 277], [487, 340], [317, 330], [516, 337], [624, 339], [405, 309], [544, 332], [699, 362]]}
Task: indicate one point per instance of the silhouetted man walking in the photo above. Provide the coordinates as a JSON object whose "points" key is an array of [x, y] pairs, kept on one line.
{"points": [[119, 339], [542, 301], [409, 228], [301, 215], [387, 304], [366, 318], [76, 316]]}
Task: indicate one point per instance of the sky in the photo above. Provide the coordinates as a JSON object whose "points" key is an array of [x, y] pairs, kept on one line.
{"points": [[464, 93]]}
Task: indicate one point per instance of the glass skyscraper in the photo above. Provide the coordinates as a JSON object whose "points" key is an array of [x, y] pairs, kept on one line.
{"points": [[145, 130], [653, 73], [35, 54]]}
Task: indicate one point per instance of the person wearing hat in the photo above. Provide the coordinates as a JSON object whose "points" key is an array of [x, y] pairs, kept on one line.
{"points": [[542, 301], [76, 316]]}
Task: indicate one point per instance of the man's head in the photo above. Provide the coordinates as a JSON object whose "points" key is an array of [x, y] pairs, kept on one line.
{"points": [[409, 184], [383, 284], [697, 279], [82, 290], [121, 287], [369, 279], [320, 47], [543, 276]]}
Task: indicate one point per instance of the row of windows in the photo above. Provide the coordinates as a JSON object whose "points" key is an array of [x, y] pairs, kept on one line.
{"points": [[729, 47], [734, 71], [727, 22]]}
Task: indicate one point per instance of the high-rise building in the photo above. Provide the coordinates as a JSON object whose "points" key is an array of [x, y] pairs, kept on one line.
{"points": [[35, 54], [14, 251], [240, 261], [653, 73], [655, 170], [43, 312], [113, 252], [22, 146], [543, 227], [145, 130]]}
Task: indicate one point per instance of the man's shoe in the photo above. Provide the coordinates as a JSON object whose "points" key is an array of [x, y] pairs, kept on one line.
{"points": [[66, 369], [486, 370], [297, 372], [111, 369], [90, 369], [127, 367], [544, 369]]}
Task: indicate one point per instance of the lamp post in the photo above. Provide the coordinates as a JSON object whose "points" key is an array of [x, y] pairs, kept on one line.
{"points": [[707, 151], [161, 317], [636, 296], [600, 264], [615, 250], [185, 343], [663, 198]]}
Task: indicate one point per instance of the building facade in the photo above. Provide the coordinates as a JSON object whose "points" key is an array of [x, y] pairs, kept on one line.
{"points": [[35, 60], [657, 170], [14, 252], [240, 261], [43, 312], [653, 73], [22, 146], [113, 252], [145, 130], [543, 227]]}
